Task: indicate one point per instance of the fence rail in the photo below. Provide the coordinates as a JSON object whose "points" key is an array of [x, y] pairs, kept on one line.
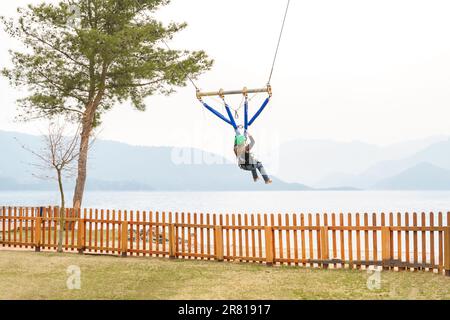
{"points": [[397, 241]]}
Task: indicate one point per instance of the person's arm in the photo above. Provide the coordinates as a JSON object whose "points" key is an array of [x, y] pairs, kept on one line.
{"points": [[252, 142]]}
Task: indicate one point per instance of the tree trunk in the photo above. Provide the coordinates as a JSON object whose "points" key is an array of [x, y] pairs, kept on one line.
{"points": [[82, 164], [62, 210], [87, 126]]}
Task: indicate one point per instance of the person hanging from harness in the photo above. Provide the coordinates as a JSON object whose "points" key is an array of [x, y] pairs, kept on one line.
{"points": [[242, 148], [246, 159]]}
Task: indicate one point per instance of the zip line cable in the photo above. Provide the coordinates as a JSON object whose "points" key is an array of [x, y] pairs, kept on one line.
{"points": [[181, 68], [168, 48], [274, 59], [279, 41]]}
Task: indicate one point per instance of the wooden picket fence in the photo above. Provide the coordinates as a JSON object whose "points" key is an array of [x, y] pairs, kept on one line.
{"points": [[401, 241]]}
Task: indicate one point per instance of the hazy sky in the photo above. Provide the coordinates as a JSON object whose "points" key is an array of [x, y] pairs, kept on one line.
{"points": [[375, 71]]}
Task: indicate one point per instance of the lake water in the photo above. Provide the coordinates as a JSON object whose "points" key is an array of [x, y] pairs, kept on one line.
{"points": [[248, 202]]}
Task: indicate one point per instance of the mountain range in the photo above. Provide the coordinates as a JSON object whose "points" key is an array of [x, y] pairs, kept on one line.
{"points": [[423, 176], [411, 165], [303, 165], [118, 166]]}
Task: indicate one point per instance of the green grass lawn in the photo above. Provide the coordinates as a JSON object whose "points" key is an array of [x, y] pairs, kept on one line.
{"points": [[29, 275]]}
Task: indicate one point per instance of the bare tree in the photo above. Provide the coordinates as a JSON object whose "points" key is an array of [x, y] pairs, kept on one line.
{"points": [[57, 161]]}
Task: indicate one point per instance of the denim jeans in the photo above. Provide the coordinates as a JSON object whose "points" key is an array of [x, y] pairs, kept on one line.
{"points": [[254, 169]]}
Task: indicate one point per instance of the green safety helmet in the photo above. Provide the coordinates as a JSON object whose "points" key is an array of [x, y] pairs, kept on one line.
{"points": [[239, 140]]}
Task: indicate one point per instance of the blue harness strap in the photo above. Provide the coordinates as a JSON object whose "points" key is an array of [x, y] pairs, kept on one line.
{"points": [[246, 114], [264, 105], [230, 121], [217, 113]]}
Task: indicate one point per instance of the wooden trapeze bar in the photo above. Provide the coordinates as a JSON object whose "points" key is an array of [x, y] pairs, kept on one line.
{"points": [[221, 93]]}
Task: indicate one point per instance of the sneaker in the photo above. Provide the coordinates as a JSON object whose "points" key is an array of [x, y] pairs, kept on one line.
{"points": [[256, 179], [269, 181]]}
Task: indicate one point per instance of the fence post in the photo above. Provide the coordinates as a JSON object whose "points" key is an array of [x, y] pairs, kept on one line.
{"points": [[81, 237], [2, 218], [386, 247], [124, 246], [37, 234], [172, 242], [269, 247], [218, 240], [447, 251], [324, 241]]}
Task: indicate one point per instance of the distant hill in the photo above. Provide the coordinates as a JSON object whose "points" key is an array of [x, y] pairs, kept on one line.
{"points": [[118, 166], [326, 163], [423, 176], [436, 154]]}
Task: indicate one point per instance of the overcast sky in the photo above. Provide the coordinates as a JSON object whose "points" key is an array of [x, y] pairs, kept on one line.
{"points": [[374, 71]]}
